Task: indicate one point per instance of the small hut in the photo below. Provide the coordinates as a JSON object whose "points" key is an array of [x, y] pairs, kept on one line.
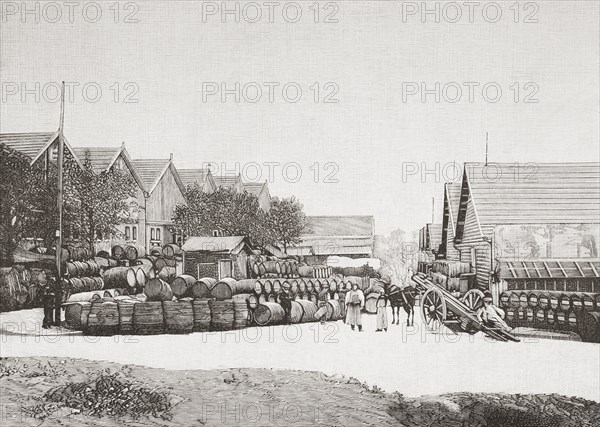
{"points": [[217, 257]]}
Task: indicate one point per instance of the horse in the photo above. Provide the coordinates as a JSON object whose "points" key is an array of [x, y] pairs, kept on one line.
{"points": [[404, 298]]}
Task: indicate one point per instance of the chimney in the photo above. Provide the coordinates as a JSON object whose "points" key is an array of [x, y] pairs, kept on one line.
{"points": [[171, 156]]}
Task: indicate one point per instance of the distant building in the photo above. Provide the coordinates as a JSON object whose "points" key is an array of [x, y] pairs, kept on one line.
{"points": [[229, 181], [261, 191], [216, 257], [348, 236], [546, 212], [164, 190], [201, 177], [447, 250], [430, 238]]}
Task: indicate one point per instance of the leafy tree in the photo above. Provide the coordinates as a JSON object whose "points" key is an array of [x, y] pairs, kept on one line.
{"points": [[98, 201], [232, 213], [286, 221]]}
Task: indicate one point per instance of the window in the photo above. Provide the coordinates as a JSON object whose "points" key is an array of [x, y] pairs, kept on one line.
{"points": [[134, 233], [155, 234], [217, 233], [127, 233], [152, 233], [158, 234]]}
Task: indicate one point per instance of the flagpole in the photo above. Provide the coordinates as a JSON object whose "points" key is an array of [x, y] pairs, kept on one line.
{"points": [[61, 154]]}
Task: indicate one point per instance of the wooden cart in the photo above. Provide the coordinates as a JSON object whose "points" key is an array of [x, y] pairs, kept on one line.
{"points": [[439, 308]]}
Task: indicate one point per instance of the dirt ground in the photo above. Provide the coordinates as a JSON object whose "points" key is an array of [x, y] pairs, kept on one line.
{"points": [[40, 391]]}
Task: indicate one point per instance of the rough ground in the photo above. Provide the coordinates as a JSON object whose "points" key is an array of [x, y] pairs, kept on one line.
{"points": [[40, 391]]}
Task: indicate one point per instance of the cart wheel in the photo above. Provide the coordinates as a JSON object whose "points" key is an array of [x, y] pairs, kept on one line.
{"points": [[433, 309], [473, 299]]}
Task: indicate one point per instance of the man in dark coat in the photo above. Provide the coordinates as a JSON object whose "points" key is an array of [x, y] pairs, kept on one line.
{"points": [[285, 300], [49, 301]]}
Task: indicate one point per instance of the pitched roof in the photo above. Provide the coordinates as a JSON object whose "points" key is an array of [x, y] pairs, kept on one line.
{"points": [[452, 196], [254, 187], [538, 193], [213, 244], [339, 226], [151, 171], [101, 158], [33, 144], [30, 143], [191, 176], [225, 181]]}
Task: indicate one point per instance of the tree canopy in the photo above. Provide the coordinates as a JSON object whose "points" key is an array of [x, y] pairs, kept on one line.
{"points": [[286, 221]]}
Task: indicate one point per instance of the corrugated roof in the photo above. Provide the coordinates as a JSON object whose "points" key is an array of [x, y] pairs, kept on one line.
{"points": [[549, 268], [212, 244], [542, 193], [100, 157], [150, 170], [29, 143], [339, 226], [192, 176]]}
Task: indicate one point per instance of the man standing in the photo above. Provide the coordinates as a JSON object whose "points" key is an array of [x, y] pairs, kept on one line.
{"points": [[285, 300], [48, 301], [355, 301]]}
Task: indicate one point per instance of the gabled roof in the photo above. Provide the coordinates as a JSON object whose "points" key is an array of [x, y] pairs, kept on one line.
{"points": [[193, 176], [226, 181], [103, 158], [230, 244], [544, 193], [339, 226], [451, 202], [254, 187], [34, 144], [151, 172]]}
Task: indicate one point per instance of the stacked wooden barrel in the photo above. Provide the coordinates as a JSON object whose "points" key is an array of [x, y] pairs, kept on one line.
{"points": [[569, 311]]}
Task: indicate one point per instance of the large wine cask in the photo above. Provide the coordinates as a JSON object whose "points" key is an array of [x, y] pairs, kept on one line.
{"points": [[276, 286], [305, 271], [532, 299], [258, 287], [126, 307], [202, 287], [167, 274], [371, 303], [576, 302], [309, 285], [272, 267], [142, 274], [269, 313], [544, 301], [296, 312], [293, 286], [133, 252], [589, 326], [182, 285], [262, 298], [179, 316], [148, 318], [241, 314], [267, 286], [302, 285], [309, 309], [554, 299], [103, 318], [116, 277], [131, 278], [317, 285], [156, 251], [272, 298], [253, 301], [221, 315], [201, 312], [314, 298], [226, 288], [118, 252], [564, 302], [76, 315], [335, 310], [171, 250], [550, 317], [86, 296], [158, 290], [587, 300]]}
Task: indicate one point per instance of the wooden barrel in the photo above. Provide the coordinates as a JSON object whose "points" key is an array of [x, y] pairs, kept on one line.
{"points": [[86, 296], [76, 315], [201, 312], [267, 286], [309, 285], [293, 286], [167, 274], [131, 278], [505, 299], [561, 319], [221, 315], [554, 301], [156, 251], [142, 274], [371, 303], [333, 285], [179, 316], [334, 310], [317, 285], [201, 287], [540, 316], [576, 302], [544, 301], [588, 302], [133, 252], [272, 267], [564, 302], [301, 286], [571, 316], [514, 300], [118, 252], [253, 301], [314, 298], [126, 307], [305, 271], [103, 318], [510, 316], [276, 286], [532, 299], [589, 326], [262, 298], [103, 254], [171, 250], [296, 312], [269, 313], [523, 299], [158, 290], [148, 318], [550, 317], [116, 277], [309, 309], [182, 285], [241, 314], [226, 288]]}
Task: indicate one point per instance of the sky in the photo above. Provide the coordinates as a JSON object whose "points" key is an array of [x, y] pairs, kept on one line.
{"points": [[341, 114]]}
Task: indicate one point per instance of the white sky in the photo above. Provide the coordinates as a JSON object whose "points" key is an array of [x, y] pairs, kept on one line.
{"points": [[368, 54]]}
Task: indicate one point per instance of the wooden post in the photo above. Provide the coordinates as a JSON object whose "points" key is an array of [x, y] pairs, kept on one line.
{"points": [[61, 154]]}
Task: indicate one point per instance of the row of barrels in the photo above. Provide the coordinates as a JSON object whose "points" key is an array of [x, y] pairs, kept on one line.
{"points": [[21, 288], [133, 252], [136, 315], [564, 301]]}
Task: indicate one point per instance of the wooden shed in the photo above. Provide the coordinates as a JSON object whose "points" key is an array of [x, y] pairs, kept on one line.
{"points": [[542, 212], [216, 257]]}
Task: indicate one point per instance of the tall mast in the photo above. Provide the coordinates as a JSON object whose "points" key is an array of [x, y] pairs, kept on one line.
{"points": [[61, 155]]}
